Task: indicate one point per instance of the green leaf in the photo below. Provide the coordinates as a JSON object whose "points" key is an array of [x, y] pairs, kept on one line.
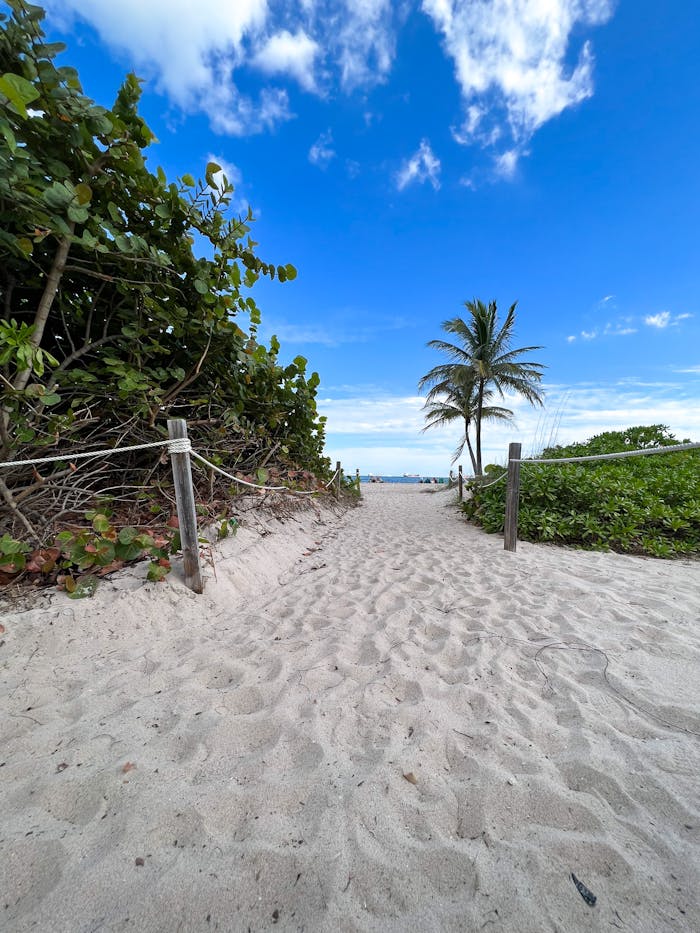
{"points": [[78, 214], [201, 286], [212, 169], [188, 180], [18, 91], [101, 125], [290, 271], [9, 136], [83, 193], [101, 523], [57, 197], [128, 551], [127, 534], [157, 571]]}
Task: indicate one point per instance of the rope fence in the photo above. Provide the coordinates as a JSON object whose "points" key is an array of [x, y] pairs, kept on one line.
{"points": [[510, 531], [673, 448], [175, 446], [97, 453], [180, 449]]}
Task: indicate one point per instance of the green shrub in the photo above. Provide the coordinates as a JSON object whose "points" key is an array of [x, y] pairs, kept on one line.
{"points": [[637, 505]]}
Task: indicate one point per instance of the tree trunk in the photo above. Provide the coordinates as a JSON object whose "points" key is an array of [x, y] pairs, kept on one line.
{"points": [[479, 407], [42, 314], [469, 445], [53, 280]]}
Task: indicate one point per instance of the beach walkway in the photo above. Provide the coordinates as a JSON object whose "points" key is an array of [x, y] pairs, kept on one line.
{"points": [[384, 723]]}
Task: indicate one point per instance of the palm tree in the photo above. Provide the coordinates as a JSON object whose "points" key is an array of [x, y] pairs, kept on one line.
{"points": [[450, 401], [483, 352]]}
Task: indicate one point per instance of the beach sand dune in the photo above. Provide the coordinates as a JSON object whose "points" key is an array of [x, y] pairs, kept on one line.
{"points": [[380, 721]]}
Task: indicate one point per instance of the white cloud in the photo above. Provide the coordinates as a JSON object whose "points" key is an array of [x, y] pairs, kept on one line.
{"points": [[572, 413], [425, 459], [361, 32], [511, 61], [337, 332], [665, 319], [301, 333], [660, 320], [618, 329], [374, 416], [421, 167], [514, 59], [191, 51], [285, 53], [506, 163], [322, 151], [621, 328]]}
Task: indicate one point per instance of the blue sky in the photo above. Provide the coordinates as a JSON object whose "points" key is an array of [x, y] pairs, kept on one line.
{"points": [[409, 156]]}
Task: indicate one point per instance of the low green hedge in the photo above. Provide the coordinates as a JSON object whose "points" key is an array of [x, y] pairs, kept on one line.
{"points": [[638, 505]]}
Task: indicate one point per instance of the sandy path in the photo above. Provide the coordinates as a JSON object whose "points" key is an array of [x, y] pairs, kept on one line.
{"points": [[271, 734]]}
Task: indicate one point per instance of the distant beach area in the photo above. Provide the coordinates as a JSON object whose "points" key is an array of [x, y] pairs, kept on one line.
{"points": [[374, 478]]}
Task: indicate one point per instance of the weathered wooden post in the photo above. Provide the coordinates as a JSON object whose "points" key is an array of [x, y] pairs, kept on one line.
{"points": [[186, 512], [337, 479], [357, 480], [510, 531], [460, 483]]}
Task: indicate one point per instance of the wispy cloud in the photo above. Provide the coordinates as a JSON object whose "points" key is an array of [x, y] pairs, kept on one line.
{"points": [[358, 423], [611, 329], [506, 163], [665, 319], [511, 57], [191, 53], [365, 41], [194, 51], [322, 151], [625, 325], [511, 62], [422, 166], [335, 334], [660, 320]]}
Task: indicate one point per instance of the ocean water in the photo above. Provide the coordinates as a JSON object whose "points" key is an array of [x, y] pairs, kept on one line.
{"points": [[403, 479]]}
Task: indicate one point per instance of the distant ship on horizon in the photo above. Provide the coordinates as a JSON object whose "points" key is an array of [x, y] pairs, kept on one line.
{"points": [[411, 475]]}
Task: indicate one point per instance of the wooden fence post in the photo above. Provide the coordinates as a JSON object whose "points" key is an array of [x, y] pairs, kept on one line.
{"points": [[186, 512], [460, 483], [510, 531], [357, 479], [337, 479]]}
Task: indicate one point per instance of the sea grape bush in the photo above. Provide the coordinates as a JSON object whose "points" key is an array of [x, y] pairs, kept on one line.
{"points": [[126, 301], [638, 505]]}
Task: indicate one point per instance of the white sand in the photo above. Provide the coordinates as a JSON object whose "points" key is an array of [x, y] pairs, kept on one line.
{"points": [[272, 720]]}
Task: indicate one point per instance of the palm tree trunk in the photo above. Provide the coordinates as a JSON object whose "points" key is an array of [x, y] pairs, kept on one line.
{"points": [[479, 408], [469, 444]]}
